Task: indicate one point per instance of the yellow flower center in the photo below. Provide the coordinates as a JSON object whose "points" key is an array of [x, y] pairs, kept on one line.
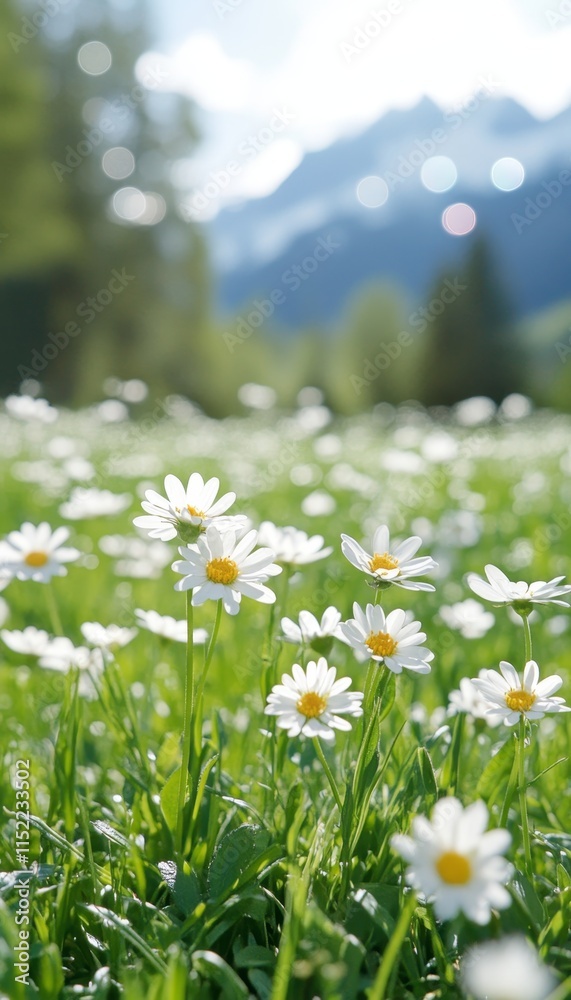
{"points": [[36, 558], [519, 701], [194, 512], [454, 868], [311, 705], [382, 560], [222, 570], [381, 643]]}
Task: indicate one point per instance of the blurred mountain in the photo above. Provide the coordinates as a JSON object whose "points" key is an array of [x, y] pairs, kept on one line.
{"points": [[256, 243]]}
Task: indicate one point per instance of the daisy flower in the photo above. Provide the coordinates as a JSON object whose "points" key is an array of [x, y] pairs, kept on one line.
{"points": [[389, 565], [455, 863], [291, 546], [311, 702], [36, 553], [169, 628], [108, 638], [91, 502], [186, 511], [500, 590], [31, 641], [508, 697], [29, 408], [387, 638], [220, 567], [308, 631], [508, 969], [469, 617], [468, 700]]}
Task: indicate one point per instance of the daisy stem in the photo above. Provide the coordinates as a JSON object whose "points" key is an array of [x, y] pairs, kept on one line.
{"points": [[527, 638], [391, 952], [187, 724], [200, 687], [328, 771], [523, 798], [53, 610]]}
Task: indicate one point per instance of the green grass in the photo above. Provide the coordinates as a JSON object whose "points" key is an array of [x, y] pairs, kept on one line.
{"points": [[276, 895]]}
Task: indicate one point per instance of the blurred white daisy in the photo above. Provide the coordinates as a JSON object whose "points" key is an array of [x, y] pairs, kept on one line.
{"points": [[390, 565], [28, 408], [291, 546], [508, 969], [309, 631], [500, 590], [311, 702], [169, 628], [468, 617], [31, 641], [107, 637], [86, 503], [387, 638], [454, 863], [187, 511], [36, 553], [220, 567], [60, 654], [468, 700], [508, 696]]}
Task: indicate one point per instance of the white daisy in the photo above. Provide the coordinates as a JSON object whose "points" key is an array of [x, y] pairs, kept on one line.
{"points": [[220, 567], [454, 863], [36, 553], [186, 512], [500, 590], [31, 641], [60, 654], [508, 969], [291, 546], [169, 628], [308, 631], [509, 696], [387, 638], [86, 503], [469, 617], [310, 702], [388, 566], [107, 637], [28, 408], [468, 700]]}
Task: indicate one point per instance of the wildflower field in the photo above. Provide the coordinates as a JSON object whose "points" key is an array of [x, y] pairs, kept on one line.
{"points": [[310, 799]]}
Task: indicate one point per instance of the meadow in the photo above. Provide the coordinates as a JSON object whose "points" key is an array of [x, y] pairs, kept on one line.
{"points": [[274, 873]]}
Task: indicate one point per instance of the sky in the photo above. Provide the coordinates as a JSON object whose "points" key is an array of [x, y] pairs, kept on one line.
{"points": [[274, 80]]}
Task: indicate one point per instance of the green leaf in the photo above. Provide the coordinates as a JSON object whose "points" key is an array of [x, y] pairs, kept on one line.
{"points": [[426, 775], [169, 799], [107, 831], [184, 887], [528, 899], [234, 855], [213, 968], [254, 955], [495, 775]]}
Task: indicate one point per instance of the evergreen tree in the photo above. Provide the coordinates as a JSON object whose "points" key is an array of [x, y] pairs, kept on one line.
{"points": [[471, 349]]}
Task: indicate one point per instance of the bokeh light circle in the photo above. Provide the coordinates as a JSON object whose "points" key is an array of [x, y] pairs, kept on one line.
{"points": [[129, 203], [459, 219], [118, 162], [439, 174], [94, 58], [372, 191], [507, 173]]}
